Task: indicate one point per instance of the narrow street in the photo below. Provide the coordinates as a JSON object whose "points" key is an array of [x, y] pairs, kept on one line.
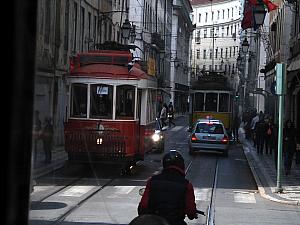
{"points": [[224, 188]]}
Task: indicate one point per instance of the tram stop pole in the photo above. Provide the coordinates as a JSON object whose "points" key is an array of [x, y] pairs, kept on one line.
{"points": [[280, 91]]}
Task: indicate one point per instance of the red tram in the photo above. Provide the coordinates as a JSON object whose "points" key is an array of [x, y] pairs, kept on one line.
{"points": [[111, 109]]}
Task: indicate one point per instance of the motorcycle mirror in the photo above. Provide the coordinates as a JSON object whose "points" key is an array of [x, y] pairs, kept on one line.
{"points": [[141, 191]]}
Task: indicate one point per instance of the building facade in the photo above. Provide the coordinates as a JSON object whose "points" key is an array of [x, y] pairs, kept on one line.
{"points": [[216, 41]]}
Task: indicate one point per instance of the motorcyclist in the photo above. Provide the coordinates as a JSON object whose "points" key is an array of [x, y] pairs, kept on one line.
{"points": [[169, 194]]}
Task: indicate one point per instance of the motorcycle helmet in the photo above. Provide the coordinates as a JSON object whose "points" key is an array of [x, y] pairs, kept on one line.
{"points": [[173, 158]]}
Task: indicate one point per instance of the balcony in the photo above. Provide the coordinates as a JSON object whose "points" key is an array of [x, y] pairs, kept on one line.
{"points": [[157, 41]]}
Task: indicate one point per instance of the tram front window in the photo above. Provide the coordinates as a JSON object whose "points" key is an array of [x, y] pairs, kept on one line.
{"points": [[199, 101], [224, 102], [79, 100], [211, 102], [101, 101], [125, 102]]}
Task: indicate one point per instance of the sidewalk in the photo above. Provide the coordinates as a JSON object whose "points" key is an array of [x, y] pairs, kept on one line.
{"points": [[40, 168], [265, 174]]}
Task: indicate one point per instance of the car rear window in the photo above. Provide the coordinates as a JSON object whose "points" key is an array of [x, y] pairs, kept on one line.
{"points": [[209, 128]]}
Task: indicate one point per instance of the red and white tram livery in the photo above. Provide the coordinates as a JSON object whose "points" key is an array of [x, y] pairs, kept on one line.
{"points": [[112, 109]]}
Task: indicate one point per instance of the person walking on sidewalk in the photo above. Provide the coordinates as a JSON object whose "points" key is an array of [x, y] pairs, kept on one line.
{"points": [[171, 114], [37, 129], [260, 130], [269, 136], [236, 126], [254, 120], [47, 137], [289, 145]]}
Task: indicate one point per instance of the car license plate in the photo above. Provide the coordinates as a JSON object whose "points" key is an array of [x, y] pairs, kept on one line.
{"points": [[209, 137]]}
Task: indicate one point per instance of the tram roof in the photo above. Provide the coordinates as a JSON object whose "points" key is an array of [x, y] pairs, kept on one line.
{"points": [[108, 71], [210, 87]]}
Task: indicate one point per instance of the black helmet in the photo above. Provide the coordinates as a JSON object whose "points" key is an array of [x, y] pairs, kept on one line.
{"points": [[173, 158]]}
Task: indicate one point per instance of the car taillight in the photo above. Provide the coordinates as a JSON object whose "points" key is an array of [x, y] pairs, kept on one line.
{"points": [[193, 138], [225, 139]]}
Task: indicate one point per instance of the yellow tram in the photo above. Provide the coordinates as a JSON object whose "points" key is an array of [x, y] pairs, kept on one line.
{"points": [[211, 96]]}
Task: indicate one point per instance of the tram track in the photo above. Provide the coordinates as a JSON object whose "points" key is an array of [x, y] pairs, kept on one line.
{"points": [[72, 195], [210, 211], [62, 217], [34, 204], [210, 219]]}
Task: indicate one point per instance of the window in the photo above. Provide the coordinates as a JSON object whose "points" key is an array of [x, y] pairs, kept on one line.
{"points": [[199, 18], [211, 102], [199, 101], [125, 102], [223, 14], [82, 27], [212, 16], [101, 101], [209, 128], [75, 26], [47, 21], [198, 53], [205, 32], [204, 54], [66, 36], [224, 102], [206, 16], [79, 100]]}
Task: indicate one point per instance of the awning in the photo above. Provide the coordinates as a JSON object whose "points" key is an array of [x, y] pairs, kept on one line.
{"points": [[295, 64]]}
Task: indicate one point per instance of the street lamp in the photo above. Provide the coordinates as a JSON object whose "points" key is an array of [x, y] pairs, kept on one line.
{"points": [[245, 45], [126, 28], [259, 14]]}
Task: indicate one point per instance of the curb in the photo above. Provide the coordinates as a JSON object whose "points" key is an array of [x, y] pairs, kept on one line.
{"points": [[261, 188]]}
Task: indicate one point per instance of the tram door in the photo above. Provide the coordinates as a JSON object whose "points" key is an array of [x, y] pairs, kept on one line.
{"points": [[138, 117]]}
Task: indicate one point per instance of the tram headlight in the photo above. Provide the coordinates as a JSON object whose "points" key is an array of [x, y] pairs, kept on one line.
{"points": [[155, 137]]}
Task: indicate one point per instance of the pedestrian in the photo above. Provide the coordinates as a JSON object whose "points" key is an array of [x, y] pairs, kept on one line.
{"points": [[260, 130], [289, 145], [37, 128], [171, 114], [236, 125], [47, 137], [149, 219], [254, 120], [169, 194], [163, 114], [269, 136]]}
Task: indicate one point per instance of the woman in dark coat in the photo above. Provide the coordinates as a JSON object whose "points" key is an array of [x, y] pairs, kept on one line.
{"points": [[289, 145]]}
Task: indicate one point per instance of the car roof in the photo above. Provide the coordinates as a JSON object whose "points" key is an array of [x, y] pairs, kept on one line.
{"points": [[209, 121]]}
